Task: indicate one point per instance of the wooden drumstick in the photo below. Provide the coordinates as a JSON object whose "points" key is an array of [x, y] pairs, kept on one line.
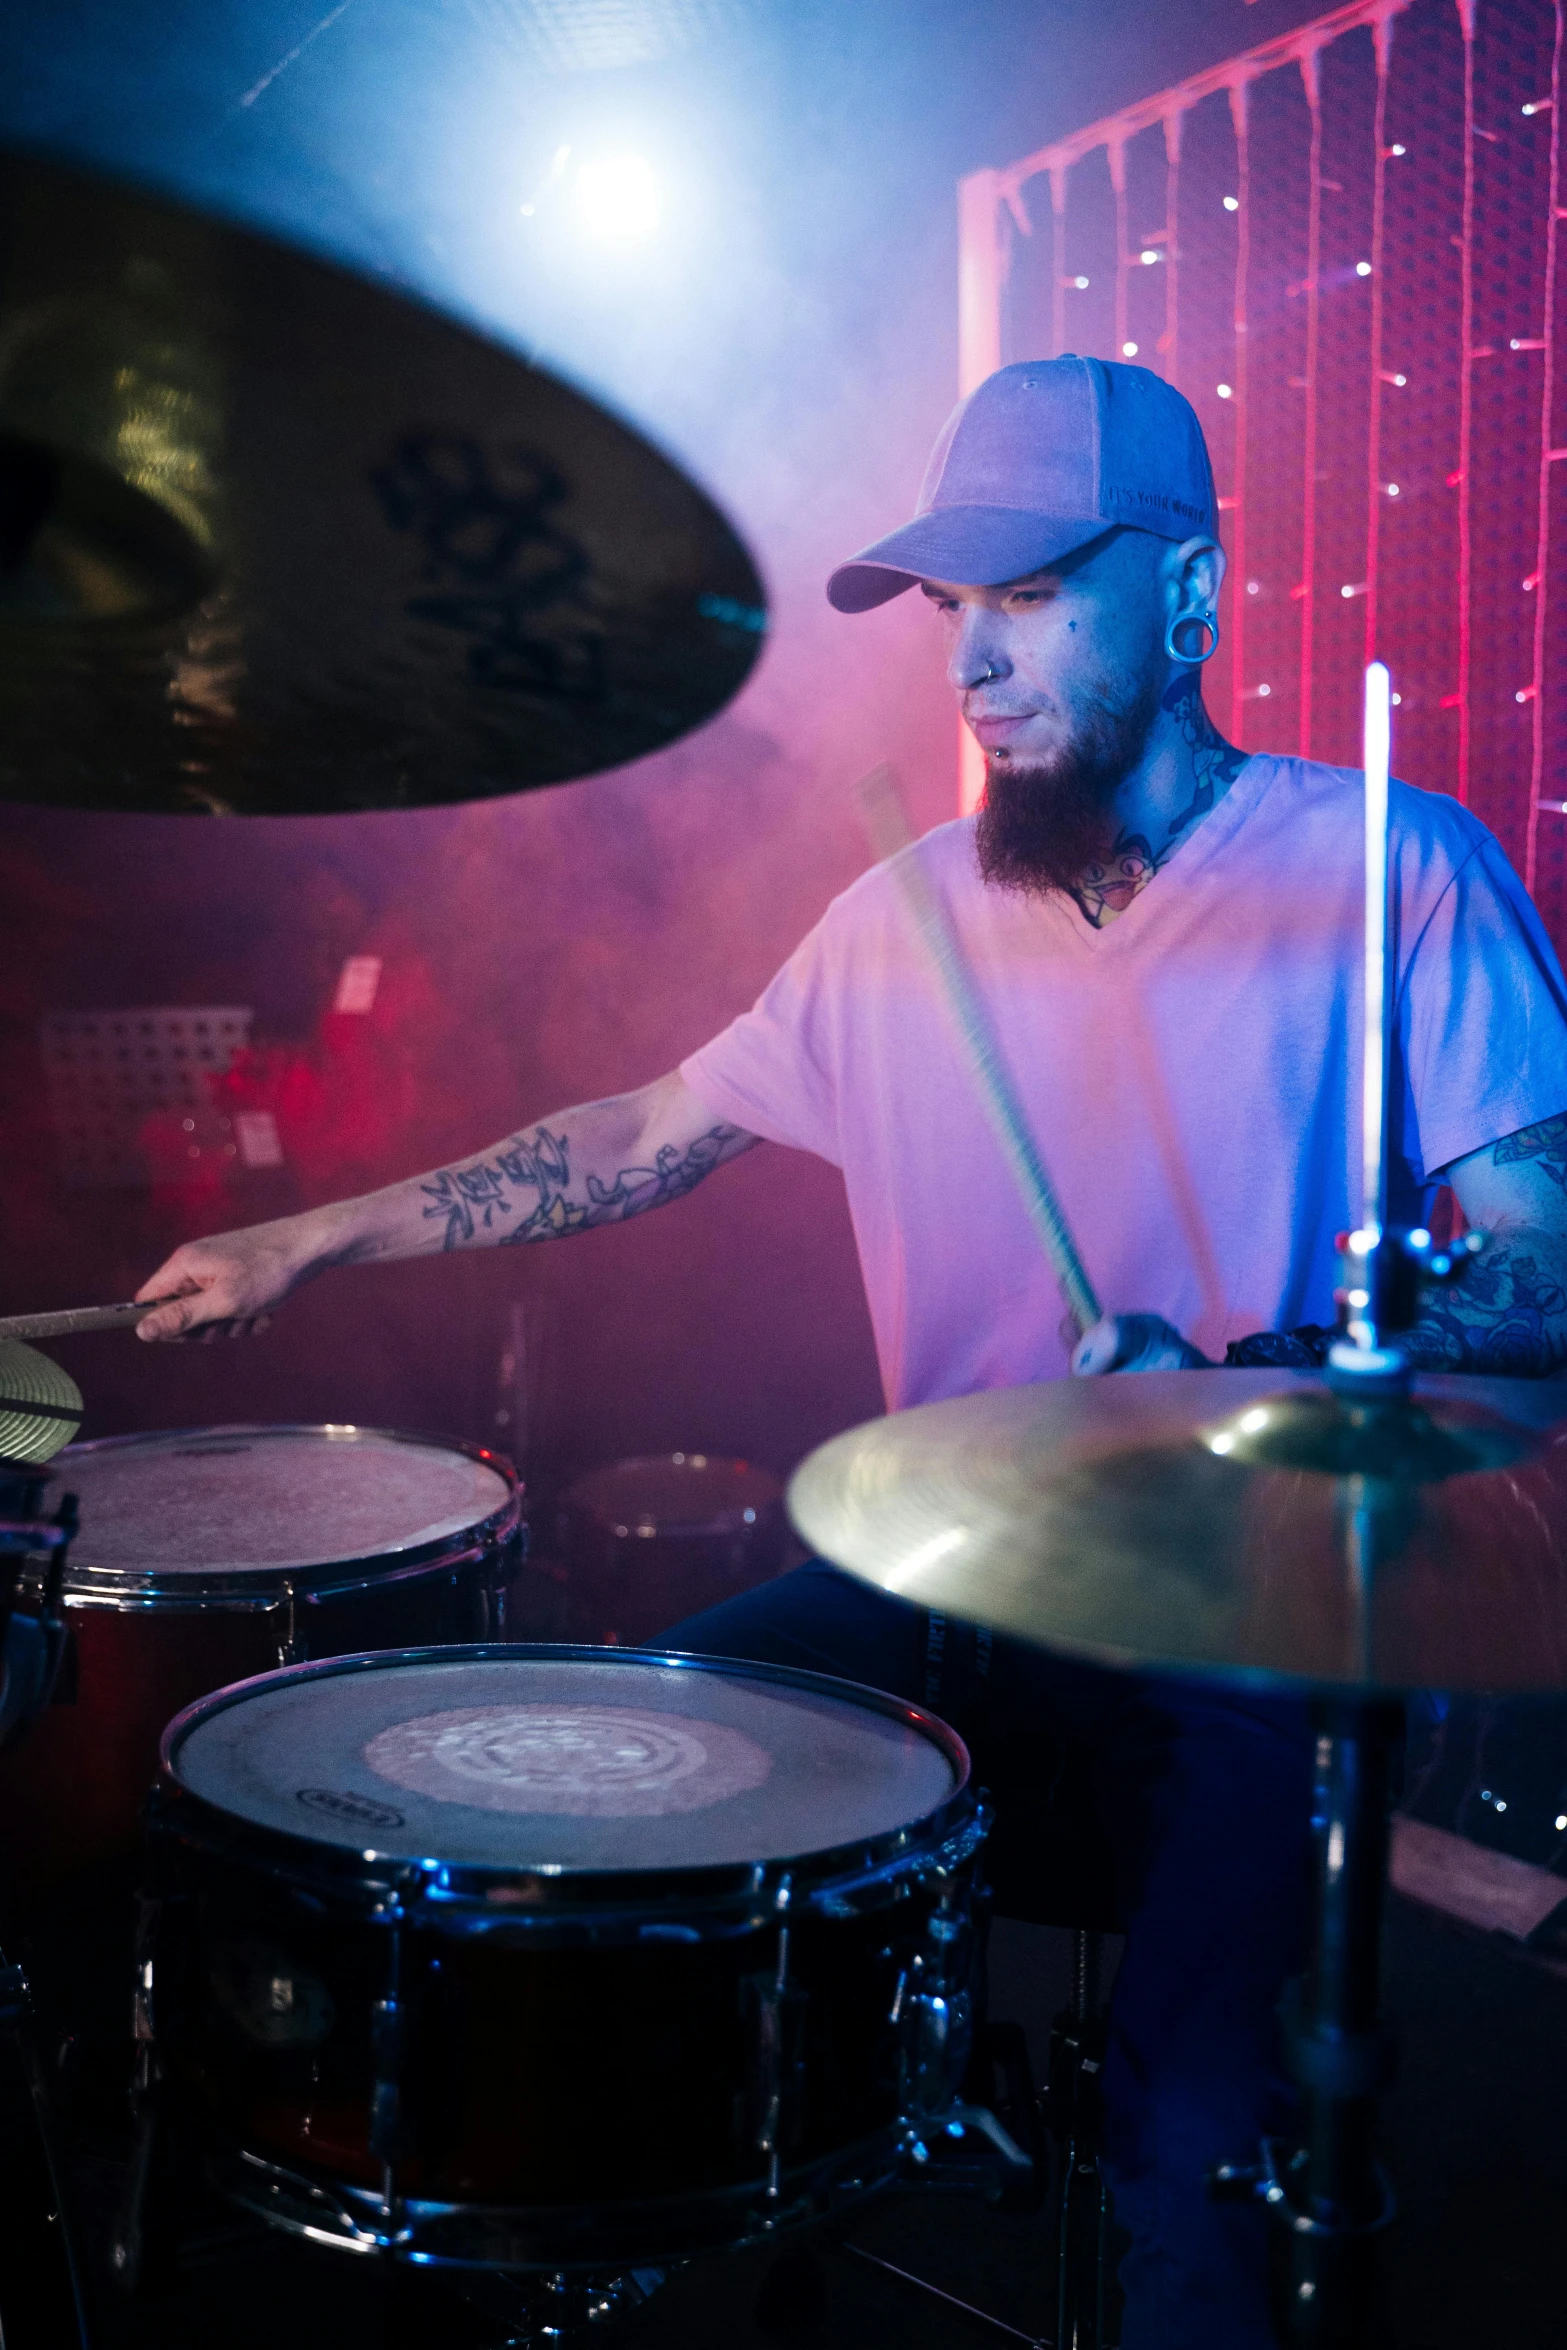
{"points": [[75, 1321], [889, 834]]}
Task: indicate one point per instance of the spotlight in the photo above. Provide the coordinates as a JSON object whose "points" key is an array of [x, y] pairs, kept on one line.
{"points": [[619, 197], [1232, 203], [1128, 350], [1398, 150], [1225, 391], [1253, 587], [1081, 284], [1395, 699], [1148, 257], [1362, 269]]}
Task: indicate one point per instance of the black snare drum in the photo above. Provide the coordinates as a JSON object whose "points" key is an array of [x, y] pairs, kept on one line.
{"points": [[209, 1555], [540, 1956]]}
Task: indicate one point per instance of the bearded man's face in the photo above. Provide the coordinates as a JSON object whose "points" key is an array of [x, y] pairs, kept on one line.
{"points": [[1060, 678]]}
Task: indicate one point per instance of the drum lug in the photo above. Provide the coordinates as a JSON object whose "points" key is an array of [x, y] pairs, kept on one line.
{"points": [[16, 1999], [386, 2065], [934, 2012], [289, 1650], [148, 1911], [775, 2013]]}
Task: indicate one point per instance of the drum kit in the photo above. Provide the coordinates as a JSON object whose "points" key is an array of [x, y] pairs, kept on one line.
{"points": [[557, 1963]]}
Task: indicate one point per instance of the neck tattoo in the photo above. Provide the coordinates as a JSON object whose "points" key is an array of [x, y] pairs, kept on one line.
{"points": [[1109, 885]]}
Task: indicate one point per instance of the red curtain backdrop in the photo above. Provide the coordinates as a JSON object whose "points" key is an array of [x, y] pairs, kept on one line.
{"points": [[1345, 247]]}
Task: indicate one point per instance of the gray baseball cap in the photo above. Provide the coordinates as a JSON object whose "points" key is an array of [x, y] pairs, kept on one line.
{"points": [[1043, 457]]}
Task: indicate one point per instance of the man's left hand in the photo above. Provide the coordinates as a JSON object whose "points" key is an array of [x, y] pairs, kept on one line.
{"points": [[1134, 1342]]}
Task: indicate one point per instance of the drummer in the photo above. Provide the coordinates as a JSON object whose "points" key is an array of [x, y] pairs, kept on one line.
{"points": [[1166, 935]]}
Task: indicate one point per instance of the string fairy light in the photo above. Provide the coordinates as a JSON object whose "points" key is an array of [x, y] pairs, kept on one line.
{"points": [[1433, 409]]}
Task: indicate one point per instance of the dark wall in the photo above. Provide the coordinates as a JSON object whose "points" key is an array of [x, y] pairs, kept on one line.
{"points": [[790, 334]]}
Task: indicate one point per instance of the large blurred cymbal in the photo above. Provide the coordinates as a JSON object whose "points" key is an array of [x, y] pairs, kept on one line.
{"points": [[275, 540], [40, 1405], [1194, 1520]]}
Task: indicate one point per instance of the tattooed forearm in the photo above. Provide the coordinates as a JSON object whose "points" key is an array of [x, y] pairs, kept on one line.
{"points": [[536, 1168], [1508, 1315]]}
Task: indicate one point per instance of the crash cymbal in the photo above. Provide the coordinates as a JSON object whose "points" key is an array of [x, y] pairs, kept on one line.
{"points": [[1196, 1521], [276, 540], [40, 1407]]}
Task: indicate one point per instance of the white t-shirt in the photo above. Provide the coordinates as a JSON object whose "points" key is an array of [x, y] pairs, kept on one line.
{"points": [[1190, 1073]]}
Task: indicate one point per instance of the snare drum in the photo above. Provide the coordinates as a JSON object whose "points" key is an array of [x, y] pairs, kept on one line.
{"points": [[209, 1555], [535, 1957]]}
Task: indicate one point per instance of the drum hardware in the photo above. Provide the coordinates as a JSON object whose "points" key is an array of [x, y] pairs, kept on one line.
{"points": [[1074, 2103], [41, 2303], [479, 582], [34, 1551]]}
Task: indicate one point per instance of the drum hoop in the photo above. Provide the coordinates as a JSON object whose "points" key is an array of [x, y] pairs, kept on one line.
{"points": [[330, 2211], [501, 1899], [261, 1587]]}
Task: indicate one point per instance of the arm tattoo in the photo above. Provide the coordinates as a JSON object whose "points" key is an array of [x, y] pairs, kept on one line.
{"points": [[1508, 1315], [1109, 886], [479, 1196], [1545, 1143]]}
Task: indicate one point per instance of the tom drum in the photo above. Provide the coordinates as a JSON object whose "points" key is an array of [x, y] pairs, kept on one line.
{"points": [[538, 1956], [209, 1555]]}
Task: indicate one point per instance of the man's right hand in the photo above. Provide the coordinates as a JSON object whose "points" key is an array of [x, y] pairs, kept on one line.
{"points": [[225, 1286]]}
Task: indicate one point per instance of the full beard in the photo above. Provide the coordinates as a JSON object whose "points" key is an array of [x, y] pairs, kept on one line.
{"points": [[1042, 827]]}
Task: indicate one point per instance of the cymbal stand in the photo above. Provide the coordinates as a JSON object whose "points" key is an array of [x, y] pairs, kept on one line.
{"points": [[1328, 2196], [1077, 2053]]}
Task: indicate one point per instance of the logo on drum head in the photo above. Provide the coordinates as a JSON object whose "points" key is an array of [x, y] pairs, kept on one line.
{"points": [[358, 1810]]}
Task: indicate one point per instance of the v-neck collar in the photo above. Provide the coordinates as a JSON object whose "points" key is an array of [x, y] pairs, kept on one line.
{"points": [[1206, 841]]}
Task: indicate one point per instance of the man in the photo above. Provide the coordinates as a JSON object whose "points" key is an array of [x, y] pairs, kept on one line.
{"points": [[1166, 935]]}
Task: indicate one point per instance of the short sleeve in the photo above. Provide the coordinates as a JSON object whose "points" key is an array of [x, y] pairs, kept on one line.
{"points": [[774, 1070], [1482, 1017]]}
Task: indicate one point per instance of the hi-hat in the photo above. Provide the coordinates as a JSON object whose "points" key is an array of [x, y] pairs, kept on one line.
{"points": [[276, 540], [40, 1405], [1195, 1520]]}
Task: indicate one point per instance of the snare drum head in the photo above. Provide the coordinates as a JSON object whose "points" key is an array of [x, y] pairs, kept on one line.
{"points": [[567, 1763], [222, 1501]]}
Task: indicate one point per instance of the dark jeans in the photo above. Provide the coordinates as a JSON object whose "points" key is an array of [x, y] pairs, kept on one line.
{"points": [[1201, 1797]]}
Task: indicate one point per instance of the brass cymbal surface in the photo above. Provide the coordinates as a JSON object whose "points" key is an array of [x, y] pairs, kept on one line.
{"points": [[1240, 1524], [40, 1405], [277, 540]]}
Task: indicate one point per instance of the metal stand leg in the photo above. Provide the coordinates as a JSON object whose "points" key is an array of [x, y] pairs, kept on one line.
{"points": [[1077, 2045], [1329, 2197]]}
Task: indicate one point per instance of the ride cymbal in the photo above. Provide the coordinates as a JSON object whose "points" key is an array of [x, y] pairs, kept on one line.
{"points": [[275, 540], [1205, 1521], [40, 1405]]}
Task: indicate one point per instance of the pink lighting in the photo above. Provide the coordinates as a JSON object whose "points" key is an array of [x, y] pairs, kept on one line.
{"points": [[1281, 155]]}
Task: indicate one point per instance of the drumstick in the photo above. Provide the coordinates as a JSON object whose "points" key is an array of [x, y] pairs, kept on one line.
{"points": [[889, 833], [1373, 1073], [73, 1321]]}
